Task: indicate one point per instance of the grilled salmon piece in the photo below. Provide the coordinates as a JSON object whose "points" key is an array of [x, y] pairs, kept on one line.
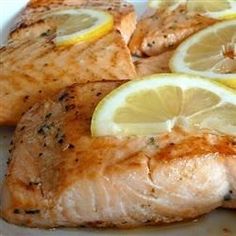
{"points": [[37, 69], [155, 64], [165, 30], [32, 22], [61, 176], [32, 67]]}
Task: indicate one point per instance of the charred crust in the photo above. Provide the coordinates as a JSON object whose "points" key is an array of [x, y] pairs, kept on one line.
{"points": [[71, 146], [48, 115], [147, 222], [8, 161], [70, 107], [45, 128], [60, 141], [22, 128], [63, 96], [16, 211], [26, 98], [32, 212]]}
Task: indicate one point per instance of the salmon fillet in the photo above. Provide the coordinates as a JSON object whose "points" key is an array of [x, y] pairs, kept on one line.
{"points": [[37, 69], [165, 30], [32, 23], [155, 64], [59, 175], [32, 67]]}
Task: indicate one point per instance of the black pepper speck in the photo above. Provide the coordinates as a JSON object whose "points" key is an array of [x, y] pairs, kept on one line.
{"points": [[16, 211]]}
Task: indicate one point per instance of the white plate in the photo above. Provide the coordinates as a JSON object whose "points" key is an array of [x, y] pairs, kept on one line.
{"points": [[218, 223]]}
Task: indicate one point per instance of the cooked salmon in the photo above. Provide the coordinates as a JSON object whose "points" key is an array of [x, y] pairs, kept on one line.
{"points": [[155, 64], [37, 69], [32, 67], [32, 22], [165, 30], [58, 175]]}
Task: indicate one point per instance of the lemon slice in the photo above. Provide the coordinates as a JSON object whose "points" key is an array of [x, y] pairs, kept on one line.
{"points": [[210, 53], [78, 25], [218, 9], [161, 102]]}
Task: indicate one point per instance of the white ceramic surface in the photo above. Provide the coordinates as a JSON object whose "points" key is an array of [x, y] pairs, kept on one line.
{"points": [[218, 223]]}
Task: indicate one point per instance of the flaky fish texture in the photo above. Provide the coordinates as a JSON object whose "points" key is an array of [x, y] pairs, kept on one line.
{"points": [[32, 67], [59, 175], [165, 30]]}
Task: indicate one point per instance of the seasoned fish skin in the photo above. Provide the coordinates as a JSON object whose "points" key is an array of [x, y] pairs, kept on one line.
{"points": [[72, 179]]}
